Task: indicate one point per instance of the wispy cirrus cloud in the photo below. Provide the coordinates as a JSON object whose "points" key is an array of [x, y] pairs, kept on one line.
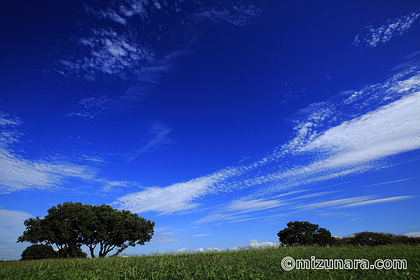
{"points": [[352, 142], [90, 107], [178, 197], [244, 205], [345, 135], [110, 13], [245, 210], [350, 202], [7, 120], [19, 173], [108, 53], [8, 132], [373, 36], [172, 236], [238, 15], [130, 39], [159, 137], [390, 182]]}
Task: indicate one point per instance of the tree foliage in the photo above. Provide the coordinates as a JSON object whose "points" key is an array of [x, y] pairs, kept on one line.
{"points": [[71, 225], [38, 252], [305, 233], [371, 239]]}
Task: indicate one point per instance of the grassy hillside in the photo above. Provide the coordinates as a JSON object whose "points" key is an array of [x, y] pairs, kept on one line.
{"points": [[244, 264]]}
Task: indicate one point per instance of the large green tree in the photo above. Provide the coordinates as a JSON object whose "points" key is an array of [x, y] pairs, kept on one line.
{"points": [[305, 233], [71, 225]]}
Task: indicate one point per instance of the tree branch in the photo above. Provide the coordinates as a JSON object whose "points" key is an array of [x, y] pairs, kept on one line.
{"points": [[123, 247]]}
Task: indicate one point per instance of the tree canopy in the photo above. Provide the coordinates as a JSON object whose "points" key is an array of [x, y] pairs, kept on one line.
{"points": [[37, 252], [71, 225], [305, 233]]}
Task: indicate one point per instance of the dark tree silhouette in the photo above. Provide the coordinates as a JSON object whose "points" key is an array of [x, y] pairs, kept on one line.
{"points": [[305, 233], [38, 252]]}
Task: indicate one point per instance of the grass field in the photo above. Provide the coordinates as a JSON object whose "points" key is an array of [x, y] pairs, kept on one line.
{"points": [[243, 264]]}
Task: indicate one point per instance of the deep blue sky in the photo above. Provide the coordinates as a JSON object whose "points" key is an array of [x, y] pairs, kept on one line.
{"points": [[221, 122]]}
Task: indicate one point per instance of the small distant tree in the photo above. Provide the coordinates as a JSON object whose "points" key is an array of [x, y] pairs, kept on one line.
{"points": [[305, 233], [410, 240], [73, 253], [38, 252], [371, 239], [71, 225]]}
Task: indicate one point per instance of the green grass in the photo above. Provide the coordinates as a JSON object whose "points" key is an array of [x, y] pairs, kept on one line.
{"points": [[243, 264]]}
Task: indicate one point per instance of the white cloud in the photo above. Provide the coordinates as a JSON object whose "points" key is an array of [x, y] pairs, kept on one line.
{"points": [[113, 15], [242, 205], [346, 135], [413, 234], [112, 185], [238, 15], [89, 107], [7, 120], [199, 250], [137, 48], [374, 201], [157, 4], [373, 36], [164, 237], [350, 202], [254, 244], [390, 182], [232, 212], [11, 227], [214, 250], [390, 130], [335, 144], [19, 173], [8, 133], [180, 251], [109, 53], [219, 217], [200, 235], [176, 197], [13, 219], [408, 85], [159, 136], [312, 195], [131, 8]]}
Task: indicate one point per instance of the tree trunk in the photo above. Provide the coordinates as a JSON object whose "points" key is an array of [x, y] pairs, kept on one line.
{"points": [[92, 253]]}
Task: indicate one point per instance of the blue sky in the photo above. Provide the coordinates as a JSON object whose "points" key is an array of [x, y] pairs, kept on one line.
{"points": [[221, 121]]}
